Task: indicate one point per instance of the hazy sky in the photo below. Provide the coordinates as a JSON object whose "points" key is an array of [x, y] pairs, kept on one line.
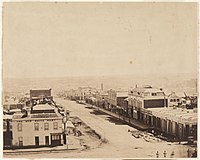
{"points": [[69, 39]]}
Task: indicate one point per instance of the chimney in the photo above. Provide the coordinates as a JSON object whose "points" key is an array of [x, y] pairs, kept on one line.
{"points": [[136, 86], [102, 86]]}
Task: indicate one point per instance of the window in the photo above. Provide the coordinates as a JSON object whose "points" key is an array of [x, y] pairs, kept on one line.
{"points": [[19, 127], [4, 125], [36, 126], [146, 93], [46, 126], [55, 137], [55, 125], [20, 141], [154, 94]]}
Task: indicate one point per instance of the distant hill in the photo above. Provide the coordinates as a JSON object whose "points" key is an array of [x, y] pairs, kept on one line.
{"points": [[175, 83]]}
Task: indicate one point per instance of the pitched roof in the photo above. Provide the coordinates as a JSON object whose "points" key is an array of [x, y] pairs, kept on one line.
{"points": [[146, 89], [43, 107]]}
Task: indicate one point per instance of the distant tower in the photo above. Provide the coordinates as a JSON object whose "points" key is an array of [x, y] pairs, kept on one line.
{"points": [[102, 86]]}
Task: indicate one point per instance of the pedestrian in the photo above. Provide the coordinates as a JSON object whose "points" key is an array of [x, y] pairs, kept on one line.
{"points": [[157, 154], [188, 153], [164, 153], [172, 154]]}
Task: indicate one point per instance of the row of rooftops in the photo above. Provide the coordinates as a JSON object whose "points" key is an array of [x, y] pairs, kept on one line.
{"points": [[38, 111], [122, 92], [35, 111], [175, 114], [139, 91]]}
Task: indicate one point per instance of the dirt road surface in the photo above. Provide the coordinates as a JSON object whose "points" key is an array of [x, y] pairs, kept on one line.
{"points": [[121, 144]]}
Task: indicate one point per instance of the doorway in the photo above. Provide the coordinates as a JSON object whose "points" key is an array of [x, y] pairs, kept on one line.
{"points": [[47, 140], [37, 141]]}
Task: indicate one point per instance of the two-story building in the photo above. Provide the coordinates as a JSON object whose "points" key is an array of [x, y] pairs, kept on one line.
{"points": [[40, 125], [101, 98], [116, 99], [173, 100], [145, 97], [40, 95], [12, 105]]}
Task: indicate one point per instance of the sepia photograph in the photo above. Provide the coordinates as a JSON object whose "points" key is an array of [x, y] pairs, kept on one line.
{"points": [[100, 80]]}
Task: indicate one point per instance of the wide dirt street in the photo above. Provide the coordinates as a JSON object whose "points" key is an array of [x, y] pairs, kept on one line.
{"points": [[121, 144]]}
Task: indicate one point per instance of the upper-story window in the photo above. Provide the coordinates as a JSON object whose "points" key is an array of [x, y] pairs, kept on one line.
{"points": [[55, 125], [146, 93], [46, 126], [19, 127], [154, 94], [160, 94], [36, 126]]}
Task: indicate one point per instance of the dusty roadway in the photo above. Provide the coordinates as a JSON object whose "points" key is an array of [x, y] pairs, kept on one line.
{"points": [[121, 144]]}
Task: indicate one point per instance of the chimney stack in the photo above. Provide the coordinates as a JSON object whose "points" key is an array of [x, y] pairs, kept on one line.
{"points": [[102, 86]]}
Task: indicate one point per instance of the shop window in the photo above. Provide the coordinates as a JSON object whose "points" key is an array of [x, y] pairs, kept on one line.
{"points": [[55, 137]]}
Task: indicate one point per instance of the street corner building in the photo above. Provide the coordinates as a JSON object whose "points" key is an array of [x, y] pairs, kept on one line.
{"points": [[41, 125]]}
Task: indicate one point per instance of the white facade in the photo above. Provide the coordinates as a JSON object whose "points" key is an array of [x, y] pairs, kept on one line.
{"points": [[37, 129], [139, 95], [28, 132], [173, 100]]}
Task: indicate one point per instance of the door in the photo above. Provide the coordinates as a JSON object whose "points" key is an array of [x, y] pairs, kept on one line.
{"points": [[20, 141], [47, 140], [37, 141]]}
